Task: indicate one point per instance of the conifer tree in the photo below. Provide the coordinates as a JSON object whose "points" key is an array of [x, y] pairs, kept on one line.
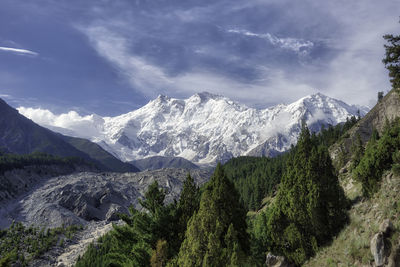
{"points": [[188, 201], [216, 234], [392, 58], [310, 205]]}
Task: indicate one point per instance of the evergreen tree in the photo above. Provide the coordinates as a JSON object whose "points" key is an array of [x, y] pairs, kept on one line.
{"points": [[358, 152], [392, 58], [310, 205], [188, 202], [379, 156], [160, 254], [216, 234]]}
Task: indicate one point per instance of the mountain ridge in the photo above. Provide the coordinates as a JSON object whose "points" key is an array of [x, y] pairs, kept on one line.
{"points": [[21, 135], [206, 128]]}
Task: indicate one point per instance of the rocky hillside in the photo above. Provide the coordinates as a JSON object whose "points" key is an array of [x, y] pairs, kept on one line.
{"points": [[373, 234], [385, 110], [82, 197], [15, 182]]}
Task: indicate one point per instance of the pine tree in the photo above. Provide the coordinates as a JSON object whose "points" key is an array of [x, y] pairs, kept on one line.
{"points": [[392, 58], [310, 205], [216, 234], [358, 152], [188, 201]]}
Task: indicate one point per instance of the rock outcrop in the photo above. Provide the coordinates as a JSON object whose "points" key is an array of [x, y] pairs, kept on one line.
{"points": [[276, 261], [378, 249], [385, 253]]}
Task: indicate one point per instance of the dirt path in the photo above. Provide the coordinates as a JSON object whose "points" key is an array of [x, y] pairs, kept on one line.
{"points": [[93, 231]]}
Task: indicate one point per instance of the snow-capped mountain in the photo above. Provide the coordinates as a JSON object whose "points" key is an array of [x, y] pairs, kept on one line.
{"points": [[206, 128]]}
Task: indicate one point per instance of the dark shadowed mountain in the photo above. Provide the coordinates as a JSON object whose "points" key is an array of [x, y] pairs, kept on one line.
{"points": [[20, 135]]}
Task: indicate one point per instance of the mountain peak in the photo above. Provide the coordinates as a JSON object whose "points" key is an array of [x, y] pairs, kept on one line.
{"points": [[206, 127]]}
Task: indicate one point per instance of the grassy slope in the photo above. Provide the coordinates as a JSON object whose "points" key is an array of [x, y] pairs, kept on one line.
{"points": [[352, 246]]}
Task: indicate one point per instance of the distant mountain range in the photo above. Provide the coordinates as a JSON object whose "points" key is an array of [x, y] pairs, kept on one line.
{"points": [[20, 135], [207, 128]]}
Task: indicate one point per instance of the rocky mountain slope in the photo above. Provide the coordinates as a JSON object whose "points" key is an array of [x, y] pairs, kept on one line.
{"points": [[22, 136], [387, 110], [206, 128], [83, 197], [159, 162]]}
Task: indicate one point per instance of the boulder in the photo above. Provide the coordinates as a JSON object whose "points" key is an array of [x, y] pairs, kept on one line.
{"points": [[276, 261], [378, 249], [394, 258], [386, 227]]}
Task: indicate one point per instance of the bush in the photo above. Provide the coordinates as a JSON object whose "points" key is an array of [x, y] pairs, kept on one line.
{"points": [[380, 154]]}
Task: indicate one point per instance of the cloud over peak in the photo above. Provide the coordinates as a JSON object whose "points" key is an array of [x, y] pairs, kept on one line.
{"points": [[299, 46]]}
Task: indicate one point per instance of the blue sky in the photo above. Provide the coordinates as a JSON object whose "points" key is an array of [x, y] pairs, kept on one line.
{"points": [[110, 57]]}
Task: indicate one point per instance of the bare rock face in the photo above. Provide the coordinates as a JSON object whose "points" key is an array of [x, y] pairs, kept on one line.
{"points": [[378, 249]]}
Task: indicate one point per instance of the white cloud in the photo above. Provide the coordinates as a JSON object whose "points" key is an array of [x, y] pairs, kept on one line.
{"points": [[152, 80], [68, 123], [18, 51], [299, 46], [345, 38]]}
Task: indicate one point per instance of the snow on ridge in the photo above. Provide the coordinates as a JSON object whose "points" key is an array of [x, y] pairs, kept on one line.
{"points": [[203, 128]]}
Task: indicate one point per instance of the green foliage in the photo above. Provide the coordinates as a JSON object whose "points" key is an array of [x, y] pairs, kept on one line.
{"points": [[137, 243], [19, 245], [358, 152], [216, 234], [160, 255], [331, 134], [310, 207], [255, 178], [12, 161], [188, 204], [392, 58], [380, 154]]}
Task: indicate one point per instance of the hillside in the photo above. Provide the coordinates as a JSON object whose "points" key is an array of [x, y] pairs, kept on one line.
{"points": [[20, 135], [388, 109], [368, 215], [352, 247], [97, 153]]}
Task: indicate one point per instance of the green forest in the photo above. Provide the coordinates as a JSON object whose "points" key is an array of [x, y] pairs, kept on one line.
{"points": [[14, 161], [212, 226]]}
